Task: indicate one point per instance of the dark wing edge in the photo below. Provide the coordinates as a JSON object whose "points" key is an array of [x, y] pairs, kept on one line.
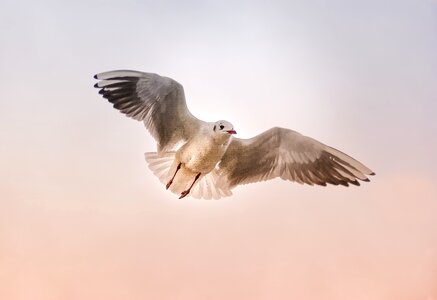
{"points": [[156, 100], [284, 153]]}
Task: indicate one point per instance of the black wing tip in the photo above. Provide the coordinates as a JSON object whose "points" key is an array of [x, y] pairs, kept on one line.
{"points": [[96, 85], [355, 182], [372, 174], [95, 77]]}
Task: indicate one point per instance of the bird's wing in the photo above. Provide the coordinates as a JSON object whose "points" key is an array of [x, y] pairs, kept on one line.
{"points": [[156, 100], [287, 154]]}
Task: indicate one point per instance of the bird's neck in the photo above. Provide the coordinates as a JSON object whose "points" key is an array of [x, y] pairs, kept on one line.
{"points": [[222, 140]]}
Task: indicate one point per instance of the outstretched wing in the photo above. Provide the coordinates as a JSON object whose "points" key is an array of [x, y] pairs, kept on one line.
{"points": [[157, 101], [287, 154]]}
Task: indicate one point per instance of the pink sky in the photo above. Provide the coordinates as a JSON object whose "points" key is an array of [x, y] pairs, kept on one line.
{"points": [[83, 218]]}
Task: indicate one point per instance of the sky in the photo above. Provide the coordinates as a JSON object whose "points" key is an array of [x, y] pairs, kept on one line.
{"points": [[83, 218]]}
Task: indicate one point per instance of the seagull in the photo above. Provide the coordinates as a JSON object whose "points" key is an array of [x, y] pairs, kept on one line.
{"points": [[204, 159]]}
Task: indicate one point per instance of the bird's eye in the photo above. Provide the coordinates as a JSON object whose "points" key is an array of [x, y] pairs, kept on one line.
{"points": [[221, 126]]}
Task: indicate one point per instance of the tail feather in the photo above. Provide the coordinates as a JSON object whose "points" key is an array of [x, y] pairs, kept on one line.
{"points": [[160, 164], [208, 186]]}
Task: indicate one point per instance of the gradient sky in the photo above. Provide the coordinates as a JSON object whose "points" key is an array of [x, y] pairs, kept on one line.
{"points": [[83, 218]]}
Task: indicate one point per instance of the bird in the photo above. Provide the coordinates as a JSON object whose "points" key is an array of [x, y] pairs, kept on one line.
{"points": [[204, 159]]}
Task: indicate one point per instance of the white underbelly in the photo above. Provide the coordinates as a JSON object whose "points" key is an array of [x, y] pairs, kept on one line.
{"points": [[201, 160]]}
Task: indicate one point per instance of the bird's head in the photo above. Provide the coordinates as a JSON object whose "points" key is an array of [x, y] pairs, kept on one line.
{"points": [[223, 130]]}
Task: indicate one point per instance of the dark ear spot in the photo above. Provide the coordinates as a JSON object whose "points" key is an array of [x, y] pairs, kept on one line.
{"points": [[214, 128]]}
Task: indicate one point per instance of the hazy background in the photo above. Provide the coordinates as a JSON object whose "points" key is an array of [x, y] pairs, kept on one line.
{"points": [[81, 216]]}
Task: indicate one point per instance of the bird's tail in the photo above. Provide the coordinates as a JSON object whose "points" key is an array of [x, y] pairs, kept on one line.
{"points": [[160, 164], [164, 166]]}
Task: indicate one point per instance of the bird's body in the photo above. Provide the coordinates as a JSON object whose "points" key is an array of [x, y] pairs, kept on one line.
{"points": [[202, 153], [203, 159]]}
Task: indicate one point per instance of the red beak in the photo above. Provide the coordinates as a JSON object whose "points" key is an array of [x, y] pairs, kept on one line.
{"points": [[232, 131]]}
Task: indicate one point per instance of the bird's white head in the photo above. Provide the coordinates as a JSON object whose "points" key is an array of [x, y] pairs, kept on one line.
{"points": [[223, 127], [223, 130]]}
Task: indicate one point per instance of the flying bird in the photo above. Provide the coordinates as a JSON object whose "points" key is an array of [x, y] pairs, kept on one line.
{"points": [[204, 159]]}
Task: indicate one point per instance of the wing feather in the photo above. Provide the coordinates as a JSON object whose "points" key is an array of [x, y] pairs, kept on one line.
{"points": [[157, 101], [287, 154]]}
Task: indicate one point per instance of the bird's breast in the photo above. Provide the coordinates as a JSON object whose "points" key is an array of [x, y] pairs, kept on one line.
{"points": [[201, 156]]}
